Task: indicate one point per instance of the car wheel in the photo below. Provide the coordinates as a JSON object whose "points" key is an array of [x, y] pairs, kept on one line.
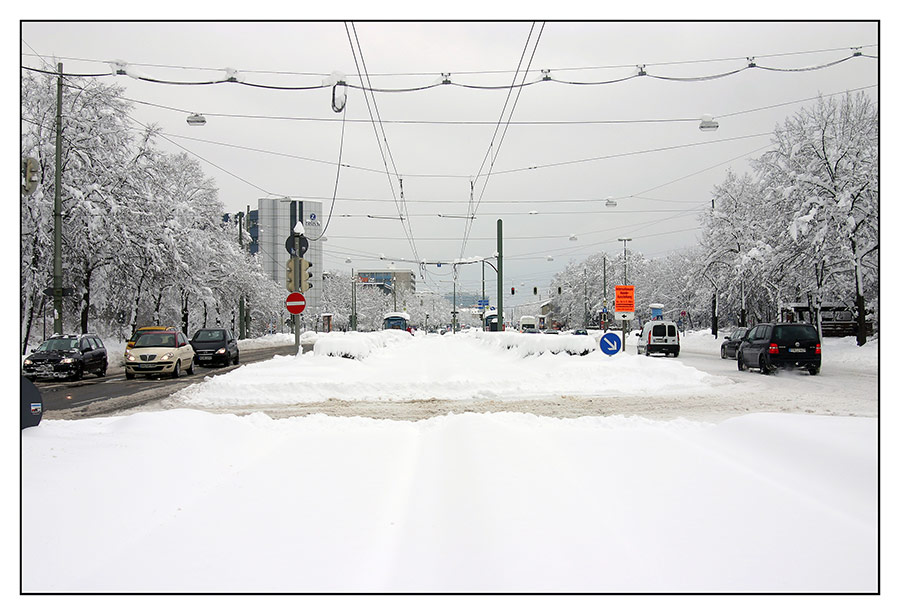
{"points": [[764, 366], [647, 350], [129, 376], [78, 373], [740, 361], [190, 370], [102, 370], [813, 370], [237, 358], [675, 353], [176, 371], [724, 354]]}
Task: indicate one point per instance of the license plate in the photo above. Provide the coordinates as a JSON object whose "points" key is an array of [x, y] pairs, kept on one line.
{"points": [[796, 349]]}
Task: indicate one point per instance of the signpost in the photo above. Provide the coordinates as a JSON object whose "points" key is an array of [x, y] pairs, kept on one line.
{"points": [[624, 307], [295, 303]]}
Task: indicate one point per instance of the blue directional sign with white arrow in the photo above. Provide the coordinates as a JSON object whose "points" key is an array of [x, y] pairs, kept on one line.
{"points": [[610, 344]]}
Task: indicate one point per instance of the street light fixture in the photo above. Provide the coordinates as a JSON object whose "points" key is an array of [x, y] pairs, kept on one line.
{"points": [[195, 119], [611, 202], [708, 124]]}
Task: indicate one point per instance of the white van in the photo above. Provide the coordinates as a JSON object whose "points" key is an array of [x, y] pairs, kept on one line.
{"points": [[659, 336]]}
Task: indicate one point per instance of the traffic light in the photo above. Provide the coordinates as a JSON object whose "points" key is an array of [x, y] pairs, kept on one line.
{"points": [[513, 290], [559, 290], [29, 175], [304, 275], [289, 276], [535, 290]]}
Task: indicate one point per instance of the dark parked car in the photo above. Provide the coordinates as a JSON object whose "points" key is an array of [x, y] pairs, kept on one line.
{"points": [[215, 346], [66, 356], [732, 341], [770, 346]]}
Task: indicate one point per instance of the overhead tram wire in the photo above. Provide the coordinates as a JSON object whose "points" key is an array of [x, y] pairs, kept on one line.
{"points": [[404, 214], [491, 122], [494, 153], [642, 72], [378, 139], [856, 49], [472, 182]]}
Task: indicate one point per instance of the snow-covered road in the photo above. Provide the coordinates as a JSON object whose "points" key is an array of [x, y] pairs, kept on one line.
{"points": [[511, 472]]}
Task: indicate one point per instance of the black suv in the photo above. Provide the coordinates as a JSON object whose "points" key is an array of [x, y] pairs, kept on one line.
{"points": [[66, 356], [769, 346], [215, 346], [732, 341]]}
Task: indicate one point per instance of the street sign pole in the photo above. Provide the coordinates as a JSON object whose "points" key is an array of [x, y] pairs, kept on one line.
{"points": [[296, 258]]}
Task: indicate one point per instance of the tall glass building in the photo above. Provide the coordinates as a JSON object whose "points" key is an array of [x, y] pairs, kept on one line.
{"points": [[276, 219]]}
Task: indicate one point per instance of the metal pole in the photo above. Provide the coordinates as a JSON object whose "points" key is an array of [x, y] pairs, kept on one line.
{"points": [[453, 316], [499, 274], [242, 333], [57, 213], [296, 317], [353, 302]]}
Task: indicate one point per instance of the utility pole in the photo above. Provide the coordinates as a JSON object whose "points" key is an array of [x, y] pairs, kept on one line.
{"points": [[453, 315], [499, 274], [57, 213], [353, 300], [242, 333], [296, 259]]}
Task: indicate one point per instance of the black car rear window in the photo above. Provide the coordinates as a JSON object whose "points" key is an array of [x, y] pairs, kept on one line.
{"points": [[800, 333], [209, 336], [671, 330], [659, 330]]}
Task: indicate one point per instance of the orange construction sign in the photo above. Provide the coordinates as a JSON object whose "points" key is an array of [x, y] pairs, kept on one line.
{"points": [[624, 298]]}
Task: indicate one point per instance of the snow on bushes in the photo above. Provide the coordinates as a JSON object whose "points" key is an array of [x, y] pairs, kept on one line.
{"points": [[355, 345], [534, 344]]}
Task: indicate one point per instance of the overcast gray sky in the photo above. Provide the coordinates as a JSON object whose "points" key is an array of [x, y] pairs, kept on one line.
{"points": [[267, 142]]}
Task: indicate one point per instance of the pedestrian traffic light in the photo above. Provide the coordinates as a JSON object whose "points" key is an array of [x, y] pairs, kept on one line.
{"points": [[289, 276], [304, 275], [535, 290], [513, 290], [29, 175], [559, 290]]}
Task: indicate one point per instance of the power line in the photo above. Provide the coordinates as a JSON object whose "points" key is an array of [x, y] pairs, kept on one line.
{"points": [[642, 72], [470, 72]]}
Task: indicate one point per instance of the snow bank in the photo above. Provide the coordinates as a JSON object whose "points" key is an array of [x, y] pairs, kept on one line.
{"points": [[451, 367], [525, 344], [186, 501], [355, 345]]}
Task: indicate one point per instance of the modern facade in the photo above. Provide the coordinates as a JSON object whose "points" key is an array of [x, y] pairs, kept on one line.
{"points": [[276, 218], [405, 279]]}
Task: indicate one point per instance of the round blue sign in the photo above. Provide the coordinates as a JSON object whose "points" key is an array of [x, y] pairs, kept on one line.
{"points": [[610, 344]]}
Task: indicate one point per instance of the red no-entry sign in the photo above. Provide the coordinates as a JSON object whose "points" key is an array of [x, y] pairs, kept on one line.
{"points": [[295, 303]]}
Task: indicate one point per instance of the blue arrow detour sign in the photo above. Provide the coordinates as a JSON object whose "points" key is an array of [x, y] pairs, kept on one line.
{"points": [[610, 344]]}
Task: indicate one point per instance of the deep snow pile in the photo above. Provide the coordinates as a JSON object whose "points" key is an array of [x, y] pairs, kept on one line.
{"points": [[525, 345], [449, 367], [355, 345], [188, 501]]}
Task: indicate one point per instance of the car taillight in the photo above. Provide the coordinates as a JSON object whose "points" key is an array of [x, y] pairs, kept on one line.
{"points": [[818, 348], [649, 337], [773, 348]]}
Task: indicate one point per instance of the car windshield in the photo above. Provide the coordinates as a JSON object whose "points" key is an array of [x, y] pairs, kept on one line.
{"points": [[155, 340], [205, 335], [796, 334], [58, 344]]}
